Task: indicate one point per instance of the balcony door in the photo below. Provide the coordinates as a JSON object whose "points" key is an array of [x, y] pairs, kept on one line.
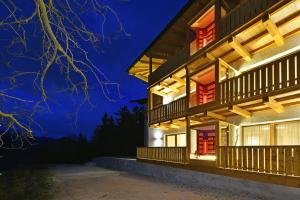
{"points": [[206, 142], [202, 86]]}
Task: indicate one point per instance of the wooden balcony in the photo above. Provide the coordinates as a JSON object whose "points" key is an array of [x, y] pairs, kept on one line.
{"points": [[280, 160], [173, 110], [277, 77], [242, 14], [164, 154]]}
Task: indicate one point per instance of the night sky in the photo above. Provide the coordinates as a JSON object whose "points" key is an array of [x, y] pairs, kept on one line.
{"points": [[143, 20]]}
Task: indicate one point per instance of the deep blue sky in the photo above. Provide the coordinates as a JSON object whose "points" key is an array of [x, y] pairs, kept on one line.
{"points": [[143, 20]]}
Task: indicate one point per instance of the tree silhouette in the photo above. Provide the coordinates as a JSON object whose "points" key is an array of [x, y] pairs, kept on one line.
{"points": [[48, 35], [121, 136]]}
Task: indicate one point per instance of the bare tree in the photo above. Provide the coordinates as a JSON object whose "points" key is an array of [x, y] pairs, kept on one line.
{"points": [[63, 34]]}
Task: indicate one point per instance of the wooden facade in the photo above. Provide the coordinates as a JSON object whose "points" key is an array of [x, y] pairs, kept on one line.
{"points": [[249, 68]]}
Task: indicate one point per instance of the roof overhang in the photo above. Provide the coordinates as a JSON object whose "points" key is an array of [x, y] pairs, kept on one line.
{"points": [[170, 41]]}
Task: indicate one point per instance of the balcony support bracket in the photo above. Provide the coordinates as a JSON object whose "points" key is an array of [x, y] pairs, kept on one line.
{"points": [[273, 30], [273, 104], [239, 111], [215, 116], [239, 48]]}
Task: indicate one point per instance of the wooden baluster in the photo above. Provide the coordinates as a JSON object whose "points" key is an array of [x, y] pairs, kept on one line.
{"points": [[298, 68], [274, 160], [261, 159], [292, 75], [284, 73], [241, 78], [246, 85], [229, 157], [257, 82], [240, 156], [277, 82], [252, 82], [245, 153], [236, 89], [228, 24], [234, 159], [263, 80], [250, 158], [296, 161], [223, 92], [227, 91], [223, 157], [270, 77], [267, 159], [281, 160], [288, 161], [256, 158], [231, 81]]}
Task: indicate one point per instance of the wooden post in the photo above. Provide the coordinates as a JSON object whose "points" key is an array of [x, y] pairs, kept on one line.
{"points": [[188, 130], [217, 17], [150, 66], [272, 135], [217, 140], [217, 82]]}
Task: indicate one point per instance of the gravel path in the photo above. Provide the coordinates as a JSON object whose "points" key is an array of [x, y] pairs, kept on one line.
{"points": [[94, 183]]}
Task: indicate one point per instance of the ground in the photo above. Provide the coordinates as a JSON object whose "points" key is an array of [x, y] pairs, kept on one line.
{"points": [[89, 182]]}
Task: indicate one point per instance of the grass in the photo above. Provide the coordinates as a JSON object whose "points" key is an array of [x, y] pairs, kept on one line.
{"points": [[25, 184]]}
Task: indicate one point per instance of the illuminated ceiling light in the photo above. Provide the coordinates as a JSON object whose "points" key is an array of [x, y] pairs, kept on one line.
{"points": [[167, 90], [270, 59]]}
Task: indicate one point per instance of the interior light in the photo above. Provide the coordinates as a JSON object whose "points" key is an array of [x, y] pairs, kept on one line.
{"points": [[167, 90], [158, 134]]}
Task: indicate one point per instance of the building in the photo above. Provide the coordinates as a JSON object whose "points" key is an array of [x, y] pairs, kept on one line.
{"points": [[224, 90]]}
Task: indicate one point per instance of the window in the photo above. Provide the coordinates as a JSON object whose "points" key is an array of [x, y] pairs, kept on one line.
{"points": [[288, 133], [202, 31], [176, 140], [181, 140], [258, 135], [203, 87]]}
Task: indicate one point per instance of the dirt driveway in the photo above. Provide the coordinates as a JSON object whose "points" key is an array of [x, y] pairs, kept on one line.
{"points": [[93, 183]]}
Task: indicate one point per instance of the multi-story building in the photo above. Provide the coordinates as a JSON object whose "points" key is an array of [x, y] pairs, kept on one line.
{"points": [[224, 90]]}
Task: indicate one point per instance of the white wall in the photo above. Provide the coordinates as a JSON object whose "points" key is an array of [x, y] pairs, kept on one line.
{"points": [[291, 112], [174, 96], [193, 141], [156, 136]]}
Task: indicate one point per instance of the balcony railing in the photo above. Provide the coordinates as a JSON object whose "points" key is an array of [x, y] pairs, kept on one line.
{"points": [[173, 110], [269, 79], [165, 154], [282, 160], [242, 14]]}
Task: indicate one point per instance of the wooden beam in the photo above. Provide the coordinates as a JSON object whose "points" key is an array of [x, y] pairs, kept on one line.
{"points": [[179, 123], [138, 70], [162, 127], [273, 30], [239, 48], [216, 116], [158, 92], [174, 126], [225, 64], [239, 111], [172, 88], [194, 122], [273, 104], [210, 57], [141, 77], [179, 80]]}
